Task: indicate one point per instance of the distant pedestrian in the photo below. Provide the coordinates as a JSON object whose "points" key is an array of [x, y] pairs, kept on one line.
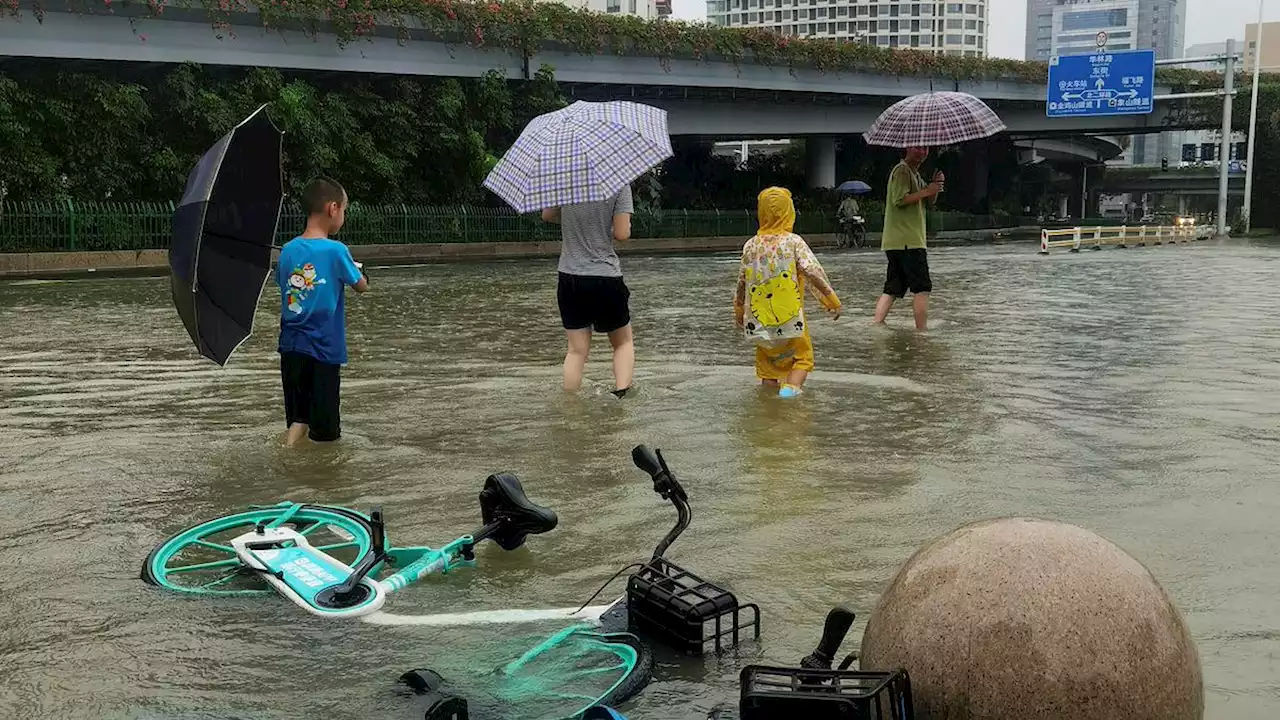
{"points": [[591, 292], [903, 240]]}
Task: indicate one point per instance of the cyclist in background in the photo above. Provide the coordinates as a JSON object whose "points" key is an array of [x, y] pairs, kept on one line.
{"points": [[849, 209]]}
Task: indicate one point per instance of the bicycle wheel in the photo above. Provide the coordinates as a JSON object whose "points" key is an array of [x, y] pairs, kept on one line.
{"points": [[571, 671], [201, 560]]}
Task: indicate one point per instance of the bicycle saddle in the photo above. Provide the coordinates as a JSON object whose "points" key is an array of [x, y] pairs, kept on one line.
{"points": [[509, 515]]}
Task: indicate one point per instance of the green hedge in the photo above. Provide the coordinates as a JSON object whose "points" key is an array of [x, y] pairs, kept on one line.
{"points": [[527, 25], [67, 225]]}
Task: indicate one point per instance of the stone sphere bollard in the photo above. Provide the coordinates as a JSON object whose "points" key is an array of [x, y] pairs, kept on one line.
{"points": [[1019, 619]]}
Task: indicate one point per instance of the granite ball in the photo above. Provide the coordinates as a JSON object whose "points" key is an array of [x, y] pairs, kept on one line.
{"points": [[1022, 618]]}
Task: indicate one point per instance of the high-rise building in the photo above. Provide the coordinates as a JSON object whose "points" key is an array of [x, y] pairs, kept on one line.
{"points": [[1072, 27], [953, 28], [648, 9], [1068, 27], [1270, 46], [1212, 49]]}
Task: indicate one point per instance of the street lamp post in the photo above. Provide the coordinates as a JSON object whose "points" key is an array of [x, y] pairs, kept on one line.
{"points": [[1253, 124], [1225, 151], [1228, 90]]}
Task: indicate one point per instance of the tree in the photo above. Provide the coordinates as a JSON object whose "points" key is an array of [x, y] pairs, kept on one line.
{"points": [[125, 132]]}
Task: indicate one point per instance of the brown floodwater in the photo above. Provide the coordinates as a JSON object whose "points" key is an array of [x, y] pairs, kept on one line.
{"points": [[1134, 392]]}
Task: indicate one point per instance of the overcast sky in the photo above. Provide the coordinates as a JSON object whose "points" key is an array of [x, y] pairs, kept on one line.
{"points": [[1207, 20]]}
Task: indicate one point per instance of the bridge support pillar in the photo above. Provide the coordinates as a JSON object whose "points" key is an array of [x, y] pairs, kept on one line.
{"points": [[820, 162], [1182, 206], [969, 188], [1062, 206]]}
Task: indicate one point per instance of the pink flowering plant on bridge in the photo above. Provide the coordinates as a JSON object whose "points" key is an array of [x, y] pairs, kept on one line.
{"points": [[525, 26]]}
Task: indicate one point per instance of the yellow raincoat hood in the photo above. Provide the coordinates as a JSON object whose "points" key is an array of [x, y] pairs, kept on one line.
{"points": [[776, 212]]}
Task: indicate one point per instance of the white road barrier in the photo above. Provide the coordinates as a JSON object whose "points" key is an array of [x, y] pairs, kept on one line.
{"points": [[1123, 236]]}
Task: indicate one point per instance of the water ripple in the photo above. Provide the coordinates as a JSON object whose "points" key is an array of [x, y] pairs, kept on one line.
{"points": [[1133, 392]]}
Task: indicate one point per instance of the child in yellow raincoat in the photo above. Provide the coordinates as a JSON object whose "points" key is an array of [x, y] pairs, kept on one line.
{"points": [[777, 266]]}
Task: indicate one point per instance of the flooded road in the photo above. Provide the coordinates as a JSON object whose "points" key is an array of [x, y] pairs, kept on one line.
{"points": [[1134, 392]]}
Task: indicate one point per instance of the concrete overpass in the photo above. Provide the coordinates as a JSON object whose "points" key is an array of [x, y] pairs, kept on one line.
{"points": [[1092, 149], [1190, 187], [1174, 182], [714, 99]]}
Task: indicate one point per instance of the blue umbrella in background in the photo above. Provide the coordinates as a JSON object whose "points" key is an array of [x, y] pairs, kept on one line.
{"points": [[854, 187]]}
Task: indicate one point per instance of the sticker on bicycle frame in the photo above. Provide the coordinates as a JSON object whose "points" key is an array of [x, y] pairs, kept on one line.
{"points": [[307, 572]]}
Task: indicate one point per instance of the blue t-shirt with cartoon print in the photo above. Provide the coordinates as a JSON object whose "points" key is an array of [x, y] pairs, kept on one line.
{"points": [[312, 273]]}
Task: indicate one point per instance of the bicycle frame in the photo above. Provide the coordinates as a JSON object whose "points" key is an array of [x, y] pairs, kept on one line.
{"points": [[419, 562], [328, 587], [613, 613], [312, 578]]}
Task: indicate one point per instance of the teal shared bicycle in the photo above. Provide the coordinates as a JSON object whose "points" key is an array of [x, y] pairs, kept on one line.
{"points": [[335, 562], [328, 559]]}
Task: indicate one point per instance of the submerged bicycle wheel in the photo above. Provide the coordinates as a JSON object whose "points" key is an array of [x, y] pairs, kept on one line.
{"points": [[201, 560], [571, 671]]}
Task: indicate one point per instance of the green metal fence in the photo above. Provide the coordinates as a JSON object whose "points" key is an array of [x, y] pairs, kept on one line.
{"points": [[66, 225]]}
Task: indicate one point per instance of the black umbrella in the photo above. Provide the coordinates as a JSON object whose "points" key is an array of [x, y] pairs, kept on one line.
{"points": [[223, 233]]}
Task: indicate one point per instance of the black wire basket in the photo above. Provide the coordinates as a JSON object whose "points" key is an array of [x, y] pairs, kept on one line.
{"points": [[775, 693], [687, 612]]}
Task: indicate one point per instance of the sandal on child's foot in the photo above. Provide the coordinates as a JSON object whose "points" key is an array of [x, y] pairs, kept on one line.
{"points": [[788, 391]]}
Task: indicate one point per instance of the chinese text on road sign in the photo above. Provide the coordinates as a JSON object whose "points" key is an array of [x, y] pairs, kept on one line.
{"points": [[1101, 83]]}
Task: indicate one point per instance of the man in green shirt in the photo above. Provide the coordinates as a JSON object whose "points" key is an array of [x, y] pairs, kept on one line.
{"points": [[903, 239]]}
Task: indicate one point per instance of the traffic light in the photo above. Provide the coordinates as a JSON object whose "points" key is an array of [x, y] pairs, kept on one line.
{"points": [[1164, 164]]}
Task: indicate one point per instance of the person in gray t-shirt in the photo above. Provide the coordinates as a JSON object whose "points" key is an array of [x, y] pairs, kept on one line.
{"points": [[591, 292]]}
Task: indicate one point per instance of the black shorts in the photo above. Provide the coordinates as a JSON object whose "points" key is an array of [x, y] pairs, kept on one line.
{"points": [[600, 303], [908, 270], [311, 395]]}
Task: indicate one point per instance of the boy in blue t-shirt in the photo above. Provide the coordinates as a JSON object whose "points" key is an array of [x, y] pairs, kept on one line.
{"points": [[312, 274]]}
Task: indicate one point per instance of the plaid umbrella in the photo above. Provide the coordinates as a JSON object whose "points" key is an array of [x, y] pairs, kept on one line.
{"points": [[933, 119], [582, 153]]}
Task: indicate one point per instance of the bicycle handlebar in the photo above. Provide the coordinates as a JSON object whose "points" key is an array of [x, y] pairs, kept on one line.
{"points": [[376, 554], [837, 625], [664, 482], [668, 487]]}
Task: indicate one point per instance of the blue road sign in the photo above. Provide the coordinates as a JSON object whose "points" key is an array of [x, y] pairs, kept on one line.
{"points": [[1105, 82]]}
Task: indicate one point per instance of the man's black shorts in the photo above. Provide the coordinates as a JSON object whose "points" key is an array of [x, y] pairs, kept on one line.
{"points": [[600, 303], [311, 395], [908, 270]]}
